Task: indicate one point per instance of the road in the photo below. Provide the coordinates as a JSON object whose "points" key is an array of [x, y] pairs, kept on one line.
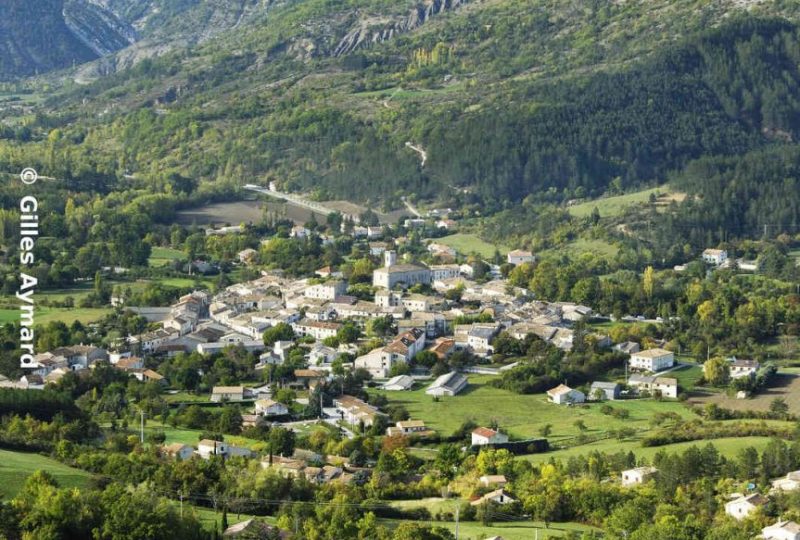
{"points": [[411, 207], [294, 199]]}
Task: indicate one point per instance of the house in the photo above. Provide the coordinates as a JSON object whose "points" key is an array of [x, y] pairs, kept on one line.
{"points": [[608, 390], [321, 355], [742, 507], [253, 528], [790, 482], [666, 386], [319, 330], [207, 448], [652, 360], [443, 347], [298, 231], [490, 480], [519, 256], [563, 394], [379, 362], [448, 384], [498, 496], [328, 290], [444, 271], [715, 256], [782, 530], [483, 436], [178, 451], [409, 427], [268, 407], [148, 375], [639, 475], [227, 393], [309, 378], [627, 347], [130, 363], [479, 338], [376, 249], [355, 411], [399, 383], [743, 368]]}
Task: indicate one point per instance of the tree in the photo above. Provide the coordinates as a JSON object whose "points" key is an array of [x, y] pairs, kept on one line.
{"points": [[716, 371], [281, 441], [779, 406], [279, 332], [545, 430]]}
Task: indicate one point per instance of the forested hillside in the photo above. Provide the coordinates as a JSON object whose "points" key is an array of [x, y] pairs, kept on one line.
{"points": [[509, 99]]}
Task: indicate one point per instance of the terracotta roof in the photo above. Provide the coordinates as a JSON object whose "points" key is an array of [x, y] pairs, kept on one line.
{"points": [[484, 432]]}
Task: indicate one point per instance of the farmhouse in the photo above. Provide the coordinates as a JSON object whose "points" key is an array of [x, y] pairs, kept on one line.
{"points": [[519, 256], [227, 393], [637, 476], [744, 506], [715, 256], [563, 394], [652, 360], [483, 436], [668, 387], [178, 451], [782, 530], [448, 384], [268, 407], [408, 427], [490, 480], [743, 368], [498, 496], [604, 390]]}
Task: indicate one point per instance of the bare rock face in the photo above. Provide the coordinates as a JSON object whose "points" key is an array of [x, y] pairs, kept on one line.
{"points": [[367, 33], [97, 27]]}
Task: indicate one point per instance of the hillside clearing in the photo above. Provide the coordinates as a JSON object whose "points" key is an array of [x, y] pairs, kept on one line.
{"points": [[16, 467], [466, 244], [615, 206]]}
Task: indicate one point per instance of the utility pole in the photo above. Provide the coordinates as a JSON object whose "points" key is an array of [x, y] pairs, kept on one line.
{"points": [[141, 425], [458, 509]]}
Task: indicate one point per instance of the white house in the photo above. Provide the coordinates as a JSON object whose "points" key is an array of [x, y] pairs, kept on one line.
{"points": [[715, 256], [207, 448], [326, 291], [483, 436], [743, 368], [782, 530], [652, 360], [636, 476], [268, 407], [742, 507], [227, 393], [563, 394], [498, 496], [667, 386], [519, 256], [448, 384], [408, 427]]}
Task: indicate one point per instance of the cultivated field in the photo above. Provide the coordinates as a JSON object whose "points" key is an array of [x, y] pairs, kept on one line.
{"points": [[232, 213], [16, 467], [161, 256], [785, 385], [503, 527]]}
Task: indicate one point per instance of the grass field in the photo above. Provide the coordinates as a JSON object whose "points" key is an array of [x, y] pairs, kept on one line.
{"points": [[615, 206], [522, 415], [161, 256], [191, 436], [469, 243], [729, 447], [687, 376], [784, 385], [16, 467], [45, 315]]}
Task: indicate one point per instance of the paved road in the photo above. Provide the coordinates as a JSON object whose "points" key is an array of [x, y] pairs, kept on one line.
{"points": [[294, 199]]}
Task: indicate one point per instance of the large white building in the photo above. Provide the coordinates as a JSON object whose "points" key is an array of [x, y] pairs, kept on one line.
{"points": [[782, 530], [326, 291], [652, 360], [715, 256], [667, 386], [401, 274], [637, 476], [519, 256]]}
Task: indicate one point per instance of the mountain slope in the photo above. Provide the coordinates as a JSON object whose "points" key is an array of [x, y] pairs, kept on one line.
{"points": [[35, 38], [509, 99]]}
